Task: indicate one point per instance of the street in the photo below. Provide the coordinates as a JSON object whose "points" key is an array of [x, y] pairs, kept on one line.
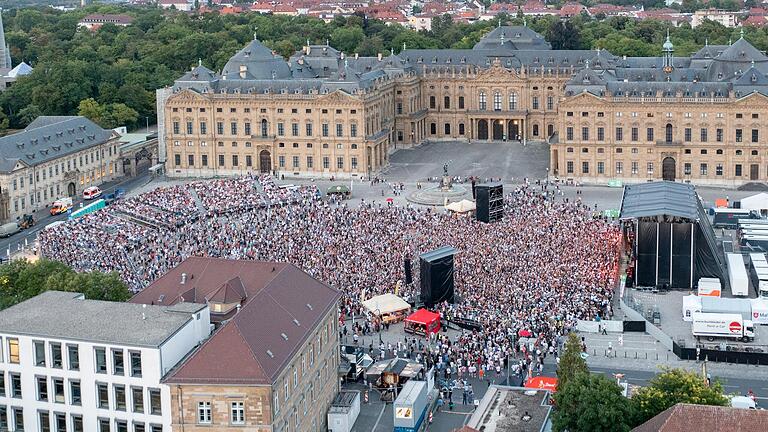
{"points": [[26, 238]]}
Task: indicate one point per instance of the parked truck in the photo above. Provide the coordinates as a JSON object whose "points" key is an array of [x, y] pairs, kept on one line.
{"points": [[737, 273], [720, 325]]}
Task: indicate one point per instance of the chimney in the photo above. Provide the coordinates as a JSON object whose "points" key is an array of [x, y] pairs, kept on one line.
{"points": [[243, 71], [379, 56], [238, 308], [357, 55], [183, 278]]}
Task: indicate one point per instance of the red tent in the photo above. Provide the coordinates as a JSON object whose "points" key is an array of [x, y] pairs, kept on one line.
{"points": [[542, 382], [422, 322]]}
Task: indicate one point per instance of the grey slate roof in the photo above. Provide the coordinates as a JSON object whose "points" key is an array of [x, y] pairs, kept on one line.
{"points": [[68, 316], [660, 199], [259, 62], [48, 138], [713, 71]]}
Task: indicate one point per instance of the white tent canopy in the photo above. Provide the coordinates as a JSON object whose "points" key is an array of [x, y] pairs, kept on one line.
{"points": [[757, 202], [385, 304], [463, 206]]}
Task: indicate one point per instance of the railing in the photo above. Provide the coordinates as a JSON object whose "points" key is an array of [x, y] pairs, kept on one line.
{"points": [[668, 143]]}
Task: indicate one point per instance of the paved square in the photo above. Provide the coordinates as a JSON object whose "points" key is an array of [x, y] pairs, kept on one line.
{"points": [[507, 160]]}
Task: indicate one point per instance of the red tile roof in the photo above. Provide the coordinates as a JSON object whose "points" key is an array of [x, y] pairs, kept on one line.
{"points": [[681, 417], [282, 306], [755, 21]]}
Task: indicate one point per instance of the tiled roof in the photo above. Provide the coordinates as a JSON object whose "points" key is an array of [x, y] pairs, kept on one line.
{"points": [[681, 417], [282, 306]]}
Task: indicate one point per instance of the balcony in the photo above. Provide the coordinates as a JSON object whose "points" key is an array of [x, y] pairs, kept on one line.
{"points": [[665, 143]]}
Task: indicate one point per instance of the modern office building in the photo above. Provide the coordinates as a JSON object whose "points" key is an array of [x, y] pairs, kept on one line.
{"points": [[72, 364]]}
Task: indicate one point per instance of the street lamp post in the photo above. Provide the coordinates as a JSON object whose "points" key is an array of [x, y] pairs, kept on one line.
{"points": [[380, 324]]}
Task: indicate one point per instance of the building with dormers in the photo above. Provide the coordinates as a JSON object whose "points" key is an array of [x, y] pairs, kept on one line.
{"points": [[695, 118], [54, 157], [271, 364], [324, 113]]}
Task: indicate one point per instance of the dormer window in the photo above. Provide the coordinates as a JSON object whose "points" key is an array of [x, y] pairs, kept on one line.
{"points": [[754, 78]]}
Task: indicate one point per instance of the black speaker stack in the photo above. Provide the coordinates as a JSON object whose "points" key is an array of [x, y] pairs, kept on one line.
{"points": [[408, 271], [436, 274], [489, 202]]}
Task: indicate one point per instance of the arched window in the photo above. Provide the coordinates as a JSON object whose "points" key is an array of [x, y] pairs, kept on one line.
{"points": [[497, 101], [482, 101], [668, 137], [512, 101]]}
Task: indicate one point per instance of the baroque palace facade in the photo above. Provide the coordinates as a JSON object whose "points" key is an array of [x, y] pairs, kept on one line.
{"points": [[322, 113]]}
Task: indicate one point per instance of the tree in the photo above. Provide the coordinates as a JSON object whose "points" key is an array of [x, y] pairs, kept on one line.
{"points": [[91, 109], [3, 122], [21, 280], [571, 362], [347, 39], [591, 403], [29, 113], [108, 116], [674, 386], [564, 35]]}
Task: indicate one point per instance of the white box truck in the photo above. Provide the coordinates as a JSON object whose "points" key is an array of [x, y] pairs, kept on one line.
{"points": [[737, 275], [709, 287], [716, 325]]}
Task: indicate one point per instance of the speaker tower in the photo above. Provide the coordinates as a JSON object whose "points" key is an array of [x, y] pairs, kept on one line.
{"points": [[490, 202]]}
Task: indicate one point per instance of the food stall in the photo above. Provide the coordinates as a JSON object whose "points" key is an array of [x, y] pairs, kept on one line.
{"points": [[389, 307], [423, 322], [388, 375]]}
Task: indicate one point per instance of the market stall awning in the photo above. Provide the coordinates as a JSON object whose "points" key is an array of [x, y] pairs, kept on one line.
{"points": [[338, 189], [463, 206], [423, 316], [385, 304]]}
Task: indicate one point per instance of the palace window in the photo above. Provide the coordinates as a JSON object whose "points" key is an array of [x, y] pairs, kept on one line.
{"points": [[482, 101], [512, 101], [497, 101]]}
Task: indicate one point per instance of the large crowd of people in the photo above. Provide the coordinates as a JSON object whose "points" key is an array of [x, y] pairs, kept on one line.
{"points": [[546, 264]]}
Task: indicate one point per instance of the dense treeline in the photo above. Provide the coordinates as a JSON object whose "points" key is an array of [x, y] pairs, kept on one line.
{"points": [[116, 70]]}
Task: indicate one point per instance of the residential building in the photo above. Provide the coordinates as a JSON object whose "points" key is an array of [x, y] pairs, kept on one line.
{"points": [[727, 18], [277, 335], [72, 364], [55, 156], [181, 5], [94, 22], [680, 417]]}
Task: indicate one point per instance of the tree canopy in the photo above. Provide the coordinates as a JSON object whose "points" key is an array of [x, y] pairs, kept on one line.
{"points": [[21, 280], [591, 403], [571, 362], [125, 65], [674, 386]]}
